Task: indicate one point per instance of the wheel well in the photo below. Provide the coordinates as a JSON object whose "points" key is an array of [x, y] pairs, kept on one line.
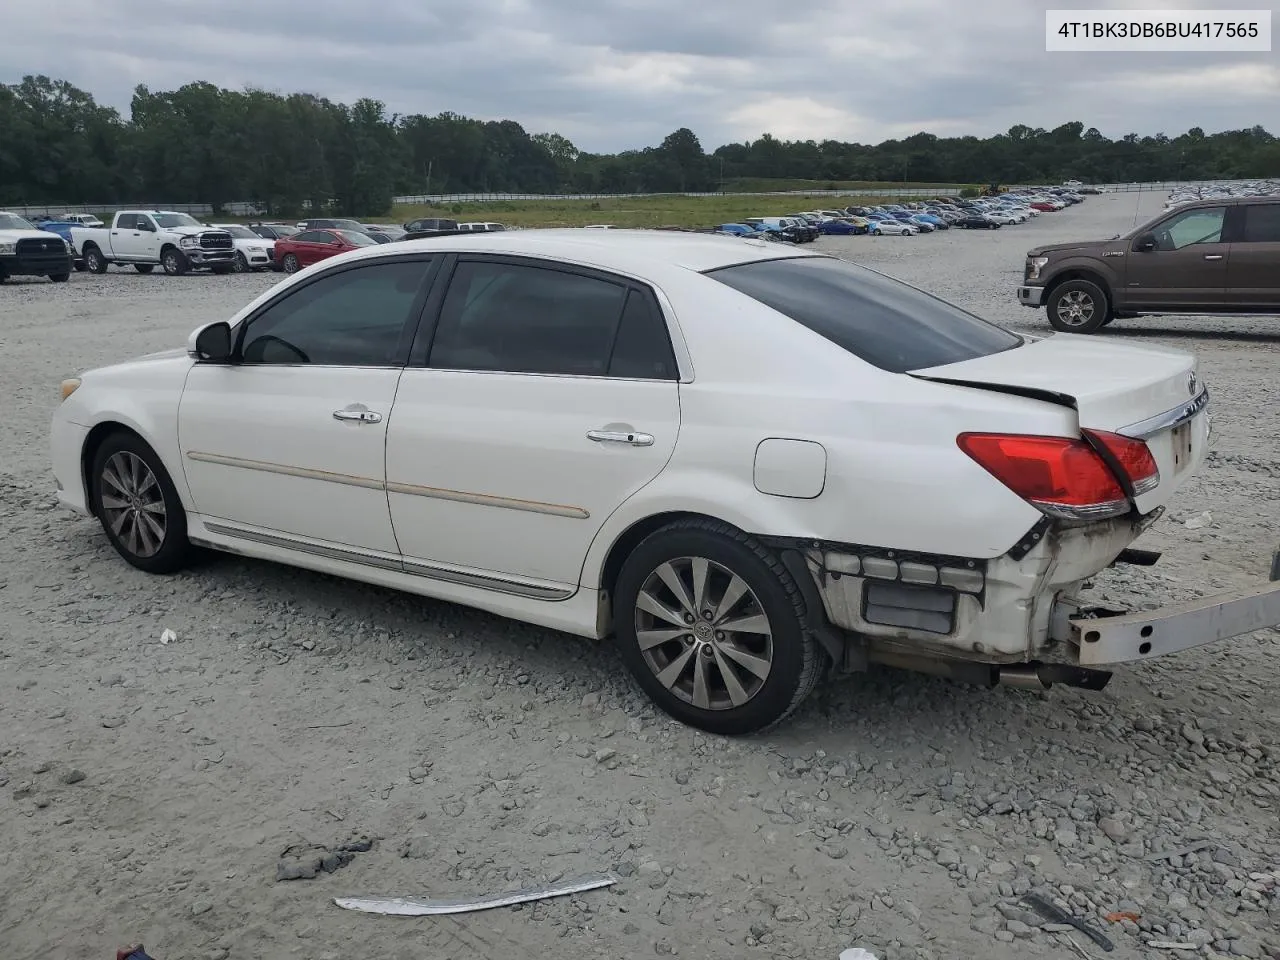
{"points": [[631, 538], [90, 449]]}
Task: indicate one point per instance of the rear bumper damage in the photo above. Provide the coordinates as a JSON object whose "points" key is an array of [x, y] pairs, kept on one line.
{"points": [[1015, 619]]}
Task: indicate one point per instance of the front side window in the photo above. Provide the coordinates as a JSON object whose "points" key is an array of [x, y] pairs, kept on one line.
{"points": [[515, 318], [353, 317], [1261, 223], [313, 236], [1190, 228], [883, 321]]}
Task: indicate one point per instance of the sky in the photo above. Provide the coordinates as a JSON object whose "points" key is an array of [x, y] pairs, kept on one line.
{"points": [[622, 74]]}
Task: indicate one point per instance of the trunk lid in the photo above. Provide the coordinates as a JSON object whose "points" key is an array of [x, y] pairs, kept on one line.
{"points": [[1112, 387]]}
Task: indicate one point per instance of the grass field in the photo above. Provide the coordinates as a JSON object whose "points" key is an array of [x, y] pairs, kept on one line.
{"points": [[667, 210]]}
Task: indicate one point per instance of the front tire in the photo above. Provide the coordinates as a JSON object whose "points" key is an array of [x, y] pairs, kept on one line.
{"points": [[714, 629], [59, 277], [1078, 306], [138, 505], [174, 262], [144, 268], [221, 269]]}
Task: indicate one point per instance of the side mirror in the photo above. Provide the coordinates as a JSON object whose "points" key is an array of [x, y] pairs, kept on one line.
{"points": [[211, 344], [1145, 243]]}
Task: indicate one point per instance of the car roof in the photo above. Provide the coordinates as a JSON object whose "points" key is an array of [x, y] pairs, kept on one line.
{"points": [[622, 250]]}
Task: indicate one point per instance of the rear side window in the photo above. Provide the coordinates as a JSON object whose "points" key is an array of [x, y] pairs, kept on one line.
{"points": [[515, 318], [1261, 223], [885, 322]]}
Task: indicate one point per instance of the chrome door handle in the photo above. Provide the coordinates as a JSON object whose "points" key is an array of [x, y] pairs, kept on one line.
{"points": [[621, 436], [360, 416], [1213, 256]]}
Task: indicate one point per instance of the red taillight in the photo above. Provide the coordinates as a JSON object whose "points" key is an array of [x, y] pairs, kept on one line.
{"points": [[1132, 456], [1063, 477]]}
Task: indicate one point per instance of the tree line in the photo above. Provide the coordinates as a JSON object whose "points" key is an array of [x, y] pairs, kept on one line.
{"points": [[205, 144]]}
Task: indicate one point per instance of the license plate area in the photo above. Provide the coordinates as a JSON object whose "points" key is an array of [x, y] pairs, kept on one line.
{"points": [[1181, 447]]}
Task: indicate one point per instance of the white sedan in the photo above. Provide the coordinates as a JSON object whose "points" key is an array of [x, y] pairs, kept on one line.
{"points": [[747, 463], [893, 228]]}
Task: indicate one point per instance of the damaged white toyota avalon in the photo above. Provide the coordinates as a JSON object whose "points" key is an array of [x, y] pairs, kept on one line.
{"points": [[749, 464]]}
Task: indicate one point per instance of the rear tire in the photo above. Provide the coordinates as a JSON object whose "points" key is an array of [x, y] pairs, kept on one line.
{"points": [[221, 269], [144, 268], [94, 261], [290, 263], [748, 658], [1078, 306], [59, 277], [138, 506]]}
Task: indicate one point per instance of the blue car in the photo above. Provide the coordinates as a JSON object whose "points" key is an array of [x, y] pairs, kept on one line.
{"points": [[842, 228], [933, 218]]}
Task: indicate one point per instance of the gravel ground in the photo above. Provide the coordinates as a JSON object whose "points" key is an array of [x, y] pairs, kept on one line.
{"points": [[149, 791]]}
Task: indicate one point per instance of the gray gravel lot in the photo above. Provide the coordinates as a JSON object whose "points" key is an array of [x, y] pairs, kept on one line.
{"points": [[148, 791]]}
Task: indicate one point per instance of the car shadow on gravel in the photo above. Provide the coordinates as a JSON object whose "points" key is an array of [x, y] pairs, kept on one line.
{"points": [[842, 711], [1182, 333]]}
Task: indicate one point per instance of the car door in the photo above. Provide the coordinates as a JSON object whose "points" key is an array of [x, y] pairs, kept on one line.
{"points": [[286, 443], [147, 238], [1187, 268], [127, 240], [316, 245], [549, 396], [1253, 269]]}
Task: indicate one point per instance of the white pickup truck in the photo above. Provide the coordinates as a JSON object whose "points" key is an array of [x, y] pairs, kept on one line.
{"points": [[178, 242]]}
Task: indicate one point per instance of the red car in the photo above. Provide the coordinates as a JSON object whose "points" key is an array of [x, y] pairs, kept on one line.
{"points": [[312, 246], [1043, 207]]}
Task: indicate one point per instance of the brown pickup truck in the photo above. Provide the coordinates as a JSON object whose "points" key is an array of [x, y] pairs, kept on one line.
{"points": [[1205, 257]]}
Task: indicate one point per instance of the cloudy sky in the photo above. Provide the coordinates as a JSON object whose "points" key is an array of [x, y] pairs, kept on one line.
{"points": [[619, 74]]}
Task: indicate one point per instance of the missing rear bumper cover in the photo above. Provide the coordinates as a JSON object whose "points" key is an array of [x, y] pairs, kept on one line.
{"points": [[931, 609]]}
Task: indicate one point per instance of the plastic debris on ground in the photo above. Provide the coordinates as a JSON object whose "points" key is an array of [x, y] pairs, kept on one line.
{"points": [[415, 907]]}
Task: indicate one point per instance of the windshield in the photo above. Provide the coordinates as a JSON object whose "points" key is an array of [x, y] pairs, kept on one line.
{"points": [[11, 221], [356, 237], [164, 220], [887, 323]]}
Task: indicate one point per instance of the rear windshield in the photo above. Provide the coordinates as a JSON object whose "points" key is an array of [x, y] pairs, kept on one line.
{"points": [[886, 322]]}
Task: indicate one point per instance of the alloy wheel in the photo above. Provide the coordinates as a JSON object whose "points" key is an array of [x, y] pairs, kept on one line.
{"points": [[133, 504], [703, 633], [1075, 308]]}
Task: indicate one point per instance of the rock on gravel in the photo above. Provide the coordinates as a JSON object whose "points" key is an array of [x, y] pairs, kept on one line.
{"points": [[325, 698]]}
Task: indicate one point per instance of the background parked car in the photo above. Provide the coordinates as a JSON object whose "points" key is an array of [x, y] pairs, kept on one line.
{"points": [[843, 226], [311, 246], [63, 229], [332, 223], [481, 227], [252, 251], [273, 231], [26, 251], [893, 228], [976, 220]]}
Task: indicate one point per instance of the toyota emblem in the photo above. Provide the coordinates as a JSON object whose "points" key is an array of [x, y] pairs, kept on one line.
{"points": [[1192, 383]]}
